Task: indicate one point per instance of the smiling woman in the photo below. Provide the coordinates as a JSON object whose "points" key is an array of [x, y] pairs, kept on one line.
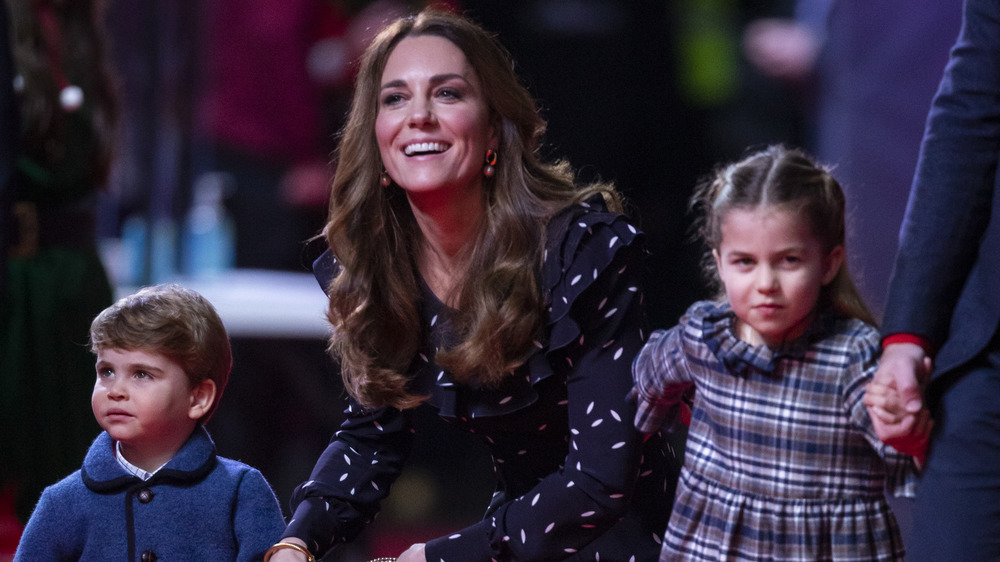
{"points": [[468, 277]]}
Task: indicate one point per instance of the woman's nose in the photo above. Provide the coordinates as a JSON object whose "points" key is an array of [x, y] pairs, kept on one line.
{"points": [[421, 113]]}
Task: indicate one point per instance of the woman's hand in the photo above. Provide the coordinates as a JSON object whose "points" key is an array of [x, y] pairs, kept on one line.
{"points": [[289, 554], [413, 554]]}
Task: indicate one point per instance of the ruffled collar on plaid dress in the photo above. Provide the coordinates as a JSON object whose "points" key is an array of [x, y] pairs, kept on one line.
{"points": [[718, 328]]}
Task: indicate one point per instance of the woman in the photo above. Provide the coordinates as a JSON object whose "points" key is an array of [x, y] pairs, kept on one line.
{"points": [[473, 279]]}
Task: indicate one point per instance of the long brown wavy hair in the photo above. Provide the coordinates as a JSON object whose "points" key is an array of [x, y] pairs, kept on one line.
{"points": [[78, 57], [789, 178], [372, 232]]}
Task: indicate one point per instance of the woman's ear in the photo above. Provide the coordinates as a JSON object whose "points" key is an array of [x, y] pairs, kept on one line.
{"points": [[832, 264], [202, 398]]}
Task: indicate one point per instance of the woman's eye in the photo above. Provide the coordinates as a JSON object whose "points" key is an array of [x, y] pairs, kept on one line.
{"points": [[450, 93], [391, 99]]}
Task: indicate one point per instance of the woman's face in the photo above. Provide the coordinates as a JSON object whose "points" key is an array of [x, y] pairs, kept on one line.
{"points": [[433, 125]]}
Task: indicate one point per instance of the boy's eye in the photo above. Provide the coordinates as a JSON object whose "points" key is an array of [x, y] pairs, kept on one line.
{"points": [[142, 375]]}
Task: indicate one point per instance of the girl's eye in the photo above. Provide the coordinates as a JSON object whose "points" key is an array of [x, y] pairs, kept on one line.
{"points": [[450, 93]]}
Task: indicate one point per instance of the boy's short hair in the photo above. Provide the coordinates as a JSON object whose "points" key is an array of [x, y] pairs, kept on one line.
{"points": [[176, 322]]}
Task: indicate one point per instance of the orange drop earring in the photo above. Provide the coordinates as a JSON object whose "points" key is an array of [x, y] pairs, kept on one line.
{"points": [[491, 160]]}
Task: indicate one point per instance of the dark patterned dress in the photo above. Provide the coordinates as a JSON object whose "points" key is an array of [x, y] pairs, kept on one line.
{"points": [[575, 480], [782, 462]]}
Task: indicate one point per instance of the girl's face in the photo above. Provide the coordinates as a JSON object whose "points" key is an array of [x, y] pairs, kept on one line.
{"points": [[144, 400], [433, 125], [773, 268]]}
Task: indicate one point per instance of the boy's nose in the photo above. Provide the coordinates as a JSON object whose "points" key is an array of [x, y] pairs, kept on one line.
{"points": [[116, 390]]}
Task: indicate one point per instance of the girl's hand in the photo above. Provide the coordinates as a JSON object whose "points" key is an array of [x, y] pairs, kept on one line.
{"points": [[907, 432], [413, 554], [884, 403]]}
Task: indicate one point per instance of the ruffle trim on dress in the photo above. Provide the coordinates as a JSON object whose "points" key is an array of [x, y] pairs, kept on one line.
{"points": [[582, 242], [715, 322]]}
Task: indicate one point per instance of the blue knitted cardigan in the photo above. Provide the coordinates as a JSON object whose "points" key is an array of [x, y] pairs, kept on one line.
{"points": [[199, 506]]}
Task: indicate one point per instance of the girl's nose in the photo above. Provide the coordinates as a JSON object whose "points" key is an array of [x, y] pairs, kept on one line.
{"points": [[767, 280]]}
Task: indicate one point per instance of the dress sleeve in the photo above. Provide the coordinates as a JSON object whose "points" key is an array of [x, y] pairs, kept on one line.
{"points": [[258, 522], [901, 471], [661, 380], [596, 330], [351, 478]]}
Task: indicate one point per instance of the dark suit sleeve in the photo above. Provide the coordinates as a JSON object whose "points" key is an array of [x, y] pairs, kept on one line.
{"points": [[951, 197]]}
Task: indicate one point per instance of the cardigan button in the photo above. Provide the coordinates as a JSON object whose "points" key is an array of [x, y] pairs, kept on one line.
{"points": [[145, 496], [148, 556]]}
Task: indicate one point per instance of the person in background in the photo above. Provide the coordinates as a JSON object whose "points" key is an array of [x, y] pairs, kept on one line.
{"points": [[151, 486], [782, 460], [468, 277], [944, 308], [54, 281]]}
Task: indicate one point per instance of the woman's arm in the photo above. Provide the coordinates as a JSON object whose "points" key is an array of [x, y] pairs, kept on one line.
{"points": [[350, 479]]}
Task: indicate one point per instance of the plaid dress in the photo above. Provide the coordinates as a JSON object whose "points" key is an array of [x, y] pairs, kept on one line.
{"points": [[782, 462]]}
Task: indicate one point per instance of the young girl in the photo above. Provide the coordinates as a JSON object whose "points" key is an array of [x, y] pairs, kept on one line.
{"points": [[782, 462]]}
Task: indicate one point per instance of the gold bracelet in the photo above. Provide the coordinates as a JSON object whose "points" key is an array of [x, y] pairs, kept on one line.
{"points": [[281, 545]]}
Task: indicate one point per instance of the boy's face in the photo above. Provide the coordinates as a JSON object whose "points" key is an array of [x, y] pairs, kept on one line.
{"points": [[144, 400]]}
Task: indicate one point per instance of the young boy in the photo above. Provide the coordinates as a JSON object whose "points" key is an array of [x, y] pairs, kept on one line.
{"points": [[151, 486]]}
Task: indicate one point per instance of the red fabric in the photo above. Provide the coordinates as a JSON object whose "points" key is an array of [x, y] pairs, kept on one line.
{"points": [[908, 338]]}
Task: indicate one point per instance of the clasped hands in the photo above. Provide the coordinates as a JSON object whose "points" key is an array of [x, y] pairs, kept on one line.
{"points": [[894, 399]]}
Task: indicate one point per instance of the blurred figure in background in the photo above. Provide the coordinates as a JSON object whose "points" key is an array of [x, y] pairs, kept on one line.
{"points": [[54, 281], [872, 69]]}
